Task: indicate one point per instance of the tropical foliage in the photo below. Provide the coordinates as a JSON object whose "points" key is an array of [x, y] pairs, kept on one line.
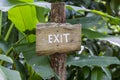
{"points": [[100, 49]]}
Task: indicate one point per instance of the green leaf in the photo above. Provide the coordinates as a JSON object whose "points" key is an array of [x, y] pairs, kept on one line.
{"points": [[77, 9], [19, 66], [97, 74], [111, 19], [24, 18], [93, 61], [42, 4], [2, 75], [35, 77], [10, 74], [86, 71], [40, 64], [1, 14], [6, 5], [112, 39], [3, 46], [41, 12], [31, 38], [97, 35], [86, 22], [32, 74], [107, 72], [27, 0], [6, 58], [93, 34]]}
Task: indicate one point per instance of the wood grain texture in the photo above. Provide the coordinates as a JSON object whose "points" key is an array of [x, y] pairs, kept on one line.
{"points": [[58, 60], [73, 43], [57, 51], [58, 13]]}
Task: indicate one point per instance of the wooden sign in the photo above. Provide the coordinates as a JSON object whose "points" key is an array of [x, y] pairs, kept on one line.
{"points": [[57, 38]]}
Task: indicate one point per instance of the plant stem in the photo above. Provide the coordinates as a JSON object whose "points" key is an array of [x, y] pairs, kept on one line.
{"points": [[9, 51], [21, 39], [58, 60], [0, 23], [9, 31], [12, 48]]}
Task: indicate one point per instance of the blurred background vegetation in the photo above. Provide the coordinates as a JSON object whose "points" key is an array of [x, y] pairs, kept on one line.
{"points": [[99, 58]]}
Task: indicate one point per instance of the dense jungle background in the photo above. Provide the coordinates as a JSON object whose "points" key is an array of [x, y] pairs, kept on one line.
{"points": [[99, 58]]}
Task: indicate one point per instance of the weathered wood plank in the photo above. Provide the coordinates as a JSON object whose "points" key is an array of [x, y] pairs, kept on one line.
{"points": [[58, 60], [57, 38]]}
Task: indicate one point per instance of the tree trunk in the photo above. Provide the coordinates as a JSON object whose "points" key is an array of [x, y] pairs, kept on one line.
{"points": [[58, 60]]}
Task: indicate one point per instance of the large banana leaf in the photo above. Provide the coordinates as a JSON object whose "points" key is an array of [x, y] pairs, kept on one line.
{"points": [[93, 61], [7, 74], [40, 64]]}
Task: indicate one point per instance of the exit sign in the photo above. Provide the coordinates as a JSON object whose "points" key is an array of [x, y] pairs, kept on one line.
{"points": [[57, 38]]}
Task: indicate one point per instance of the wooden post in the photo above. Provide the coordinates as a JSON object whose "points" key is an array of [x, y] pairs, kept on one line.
{"points": [[58, 60]]}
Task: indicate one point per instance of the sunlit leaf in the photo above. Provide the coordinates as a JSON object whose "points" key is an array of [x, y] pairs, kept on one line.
{"points": [[25, 19]]}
